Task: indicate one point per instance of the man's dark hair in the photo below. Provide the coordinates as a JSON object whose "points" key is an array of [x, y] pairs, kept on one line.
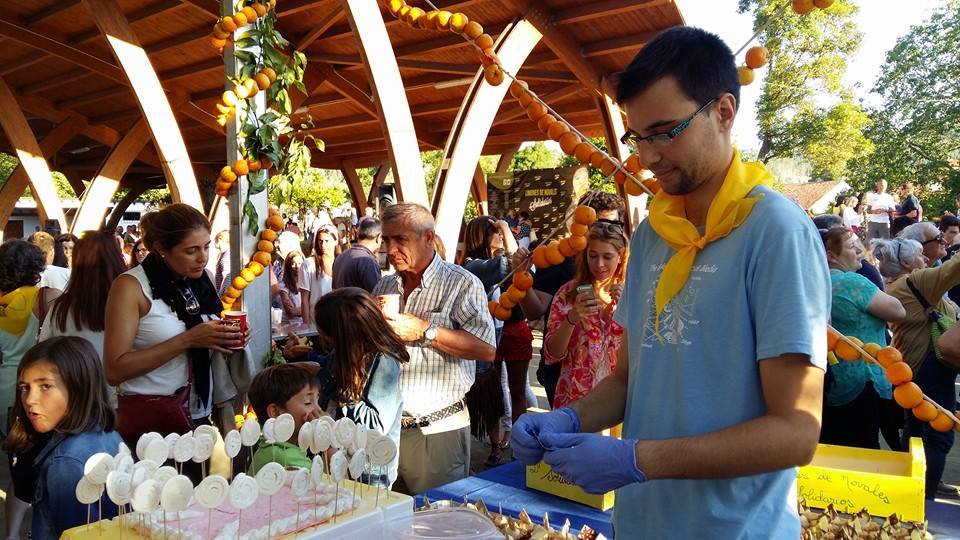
{"points": [[827, 221], [701, 63], [369, 228], [948, 221]]}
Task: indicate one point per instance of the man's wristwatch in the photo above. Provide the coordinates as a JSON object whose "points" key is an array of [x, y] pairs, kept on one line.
{"points": [[429, 335]]}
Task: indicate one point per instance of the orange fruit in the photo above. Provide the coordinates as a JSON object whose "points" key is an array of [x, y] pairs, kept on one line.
{"points": [[888, 356], [263, 245], [514, 293], [568, 142], [239, 283], [633, 188], [394, 6], [224, 109], [493, 75], [832, 338], [545, 122], [250, 13], [473, 30], [584, 215], [262, 257], [488, 57], [240, 18], [232, 292], [429, 21], [248, 275], [525, 99], [443, 19], [632, 164], [536, 111], [240, 167], [899, 373], [746, 75], [522, 280], [607, 167], [582, 152], [539, 258], [270, 73], [268, 234], [259, 8], [557, 130], [802, 7], [872, 349], [251, 86], [272, 211], [220, 33], [596, 159], [414, 15], [255, 267], [253, 165], [925, 411], [228, 24], [756, 57], [501, 313], [222, 188], [492, 306], [942, 423], [578, 243], [553, 253], [274, 222], [620, 177], [507, 301], [565, 248], [265, 163], [263, 82], [908, 395], [579, 229], [227, 174], [402, 12], [229, 98], [653, 185], [517, 88], [241, 91], [846, 351], [823, 4], [458, 23]]}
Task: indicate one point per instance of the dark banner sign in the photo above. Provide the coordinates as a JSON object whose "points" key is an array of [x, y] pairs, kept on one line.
{"points": [[547, 194]]}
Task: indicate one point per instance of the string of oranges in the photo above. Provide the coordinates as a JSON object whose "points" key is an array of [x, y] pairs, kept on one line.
{"points": [[905, 392], [243, 89], [224, 28], [229, 175], [757, 56], [259, 261]]}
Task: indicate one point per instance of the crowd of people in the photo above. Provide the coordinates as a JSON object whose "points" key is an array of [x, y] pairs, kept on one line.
{"points": [[703, 333]]}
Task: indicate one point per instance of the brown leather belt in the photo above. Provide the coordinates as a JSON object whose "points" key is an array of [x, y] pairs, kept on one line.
{"points": [[410, 422]]}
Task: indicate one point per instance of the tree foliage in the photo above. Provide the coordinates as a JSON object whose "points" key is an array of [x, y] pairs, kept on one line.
{"points": [[808, 58]]}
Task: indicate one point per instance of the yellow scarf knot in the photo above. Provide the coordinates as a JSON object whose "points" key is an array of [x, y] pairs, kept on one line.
{"points": [[729, 209]]}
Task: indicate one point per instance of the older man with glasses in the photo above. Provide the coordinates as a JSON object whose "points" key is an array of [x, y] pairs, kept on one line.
{"points": [[930, 237]]}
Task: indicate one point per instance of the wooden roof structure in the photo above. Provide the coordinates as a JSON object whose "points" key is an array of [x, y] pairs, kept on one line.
{"points": [[80, 103]]}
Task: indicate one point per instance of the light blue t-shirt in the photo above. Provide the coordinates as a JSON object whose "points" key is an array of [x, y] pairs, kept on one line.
{"points": [[760, 292], [851, 295]]}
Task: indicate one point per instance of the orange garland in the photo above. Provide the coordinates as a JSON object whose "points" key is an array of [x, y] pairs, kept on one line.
{"points": [[259, 261]]}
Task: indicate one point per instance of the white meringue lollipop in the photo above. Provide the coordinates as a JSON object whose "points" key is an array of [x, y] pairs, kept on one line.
{"points": [[360, 437], [329, 421], [143, 471], [243, 491], [372, 435], [301, 483], [123, 463], [88, 492], [212, 491], [143, 441], [232, 443], [345, 430], [119, 488], [269, 433], [206, 430], [171, 441], [322, 436], [270, 478], [163, 474], [250, 432], [97, 467], [317, 471], [157, 450], [176, 493], [358, 464], [183, 450], [146, 497], [339, 466], [122, 449], [202, 448], [284, 427], [382, 451], [305, 437]]}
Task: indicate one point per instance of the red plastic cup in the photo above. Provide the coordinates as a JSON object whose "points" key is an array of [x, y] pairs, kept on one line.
{"points": [[238, 319]]}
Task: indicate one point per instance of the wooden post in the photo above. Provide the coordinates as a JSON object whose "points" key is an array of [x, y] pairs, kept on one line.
{"points": [[613, 130], [353, 185], [479, 189]]}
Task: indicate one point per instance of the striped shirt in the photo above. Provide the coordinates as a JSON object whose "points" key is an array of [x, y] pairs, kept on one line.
{"points": [[449, 297]]}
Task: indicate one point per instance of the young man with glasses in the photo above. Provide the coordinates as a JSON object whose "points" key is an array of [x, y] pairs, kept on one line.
{"points": [[719, 383]]}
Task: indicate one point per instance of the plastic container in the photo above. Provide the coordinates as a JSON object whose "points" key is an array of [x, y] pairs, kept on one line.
{"points": [[446, 523]]}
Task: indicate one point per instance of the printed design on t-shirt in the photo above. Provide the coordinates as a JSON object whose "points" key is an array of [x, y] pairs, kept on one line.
{"points": [[678, 315]]}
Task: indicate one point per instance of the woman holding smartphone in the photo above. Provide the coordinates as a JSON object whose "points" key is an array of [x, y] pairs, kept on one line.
{"points": [[581, 333]]}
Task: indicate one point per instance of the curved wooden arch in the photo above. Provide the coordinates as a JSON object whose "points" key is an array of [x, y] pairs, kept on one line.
{"points": [[470, 131]]}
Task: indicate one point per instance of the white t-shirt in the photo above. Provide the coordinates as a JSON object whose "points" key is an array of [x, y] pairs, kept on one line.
{"points": [[315, 281], [55, 277], [880, 200], [851, 218]]}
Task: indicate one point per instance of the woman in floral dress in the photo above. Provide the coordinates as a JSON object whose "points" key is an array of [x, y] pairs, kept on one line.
{"points": [[581, 332]]}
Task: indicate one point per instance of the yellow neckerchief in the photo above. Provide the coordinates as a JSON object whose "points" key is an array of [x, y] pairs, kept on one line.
{"points": [[15, 309], [729, 209]]}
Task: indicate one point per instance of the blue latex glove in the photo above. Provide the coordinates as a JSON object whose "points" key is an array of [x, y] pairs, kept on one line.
{"points": [[526, 433], [596, 463]]}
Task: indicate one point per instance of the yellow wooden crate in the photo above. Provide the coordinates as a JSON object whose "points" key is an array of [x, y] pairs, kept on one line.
{"points": [[881, 481]]}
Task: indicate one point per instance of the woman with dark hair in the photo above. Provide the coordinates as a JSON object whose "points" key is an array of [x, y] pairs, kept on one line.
{"points": [[62, 417], [316, 272], [139, 253], [63, 250], [80, 310], [161, 329], [361, 376], [22, 306], [289, 291]]}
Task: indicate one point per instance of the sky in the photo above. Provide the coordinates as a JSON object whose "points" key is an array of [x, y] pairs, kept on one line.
{"points": [[881, 27]]}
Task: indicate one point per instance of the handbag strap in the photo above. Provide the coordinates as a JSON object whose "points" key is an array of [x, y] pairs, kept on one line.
{"points": [[923, 301]]}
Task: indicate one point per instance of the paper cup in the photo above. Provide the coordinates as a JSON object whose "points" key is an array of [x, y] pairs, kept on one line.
{"points": [[276, 316], [389, 304], [238, 319]]}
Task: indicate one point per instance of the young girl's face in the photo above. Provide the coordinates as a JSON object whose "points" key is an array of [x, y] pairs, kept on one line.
{"points": [[44, 396], [602, 259]]}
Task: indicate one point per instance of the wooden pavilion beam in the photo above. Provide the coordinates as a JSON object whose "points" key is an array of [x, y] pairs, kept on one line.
{"points": [[506, 158], [353, 185], [96, 198], [151, 98], [390, 100], [443, 67], [613, 130], [19, 181], [470, 130], [605, 8], [50, 11], [478, 188], [135, 190], [18, 132], [382, 170], [166, 77], [322, 26]]}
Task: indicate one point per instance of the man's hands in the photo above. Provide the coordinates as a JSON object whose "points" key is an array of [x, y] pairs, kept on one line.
{"points": [[596, 463], [407, 327], [526, 436]]}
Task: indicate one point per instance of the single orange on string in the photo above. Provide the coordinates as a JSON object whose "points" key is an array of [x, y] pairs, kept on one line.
{"points": [[553, 253], [802, 7], [585, 215], [579, 229], [539, 257], [887, 356], [568, 142], [633, 188], [565, 248], [756, 57], [942, 423], [582, 152], [577, 242], [545, 122], [536, 111], [746, 75], [846, 351], [507, 302], [523, 280], [473, 30], [557, 130], [925, 411], [899, 373], [908, 395]]}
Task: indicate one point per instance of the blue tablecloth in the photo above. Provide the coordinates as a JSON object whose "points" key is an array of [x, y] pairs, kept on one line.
{"points": [[504, 485]]}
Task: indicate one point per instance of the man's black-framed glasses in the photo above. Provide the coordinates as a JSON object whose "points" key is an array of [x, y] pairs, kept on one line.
{"points": [[663, 139], [937, 238]]}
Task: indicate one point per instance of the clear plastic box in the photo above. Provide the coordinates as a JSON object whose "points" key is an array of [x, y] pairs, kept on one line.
{"points": [[446, 523]]}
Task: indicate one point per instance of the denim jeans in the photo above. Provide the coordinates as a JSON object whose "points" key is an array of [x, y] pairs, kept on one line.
{"points": [[937, 382]]}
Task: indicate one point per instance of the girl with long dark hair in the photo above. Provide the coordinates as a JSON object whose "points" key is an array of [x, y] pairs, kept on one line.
{"points": [[289, 291], [316, 272]]}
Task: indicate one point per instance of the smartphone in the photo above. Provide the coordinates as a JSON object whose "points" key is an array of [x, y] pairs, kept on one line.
{"points": [[586, 287]]}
